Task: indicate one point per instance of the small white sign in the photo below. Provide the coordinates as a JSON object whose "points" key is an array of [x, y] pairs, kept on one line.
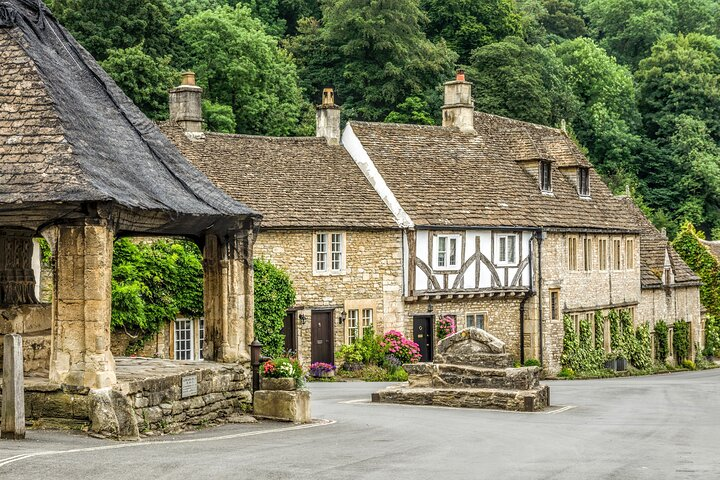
{"points": [[189, 386]]}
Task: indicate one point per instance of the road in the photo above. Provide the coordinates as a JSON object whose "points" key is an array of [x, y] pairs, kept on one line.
{"points": [[655, 427]]}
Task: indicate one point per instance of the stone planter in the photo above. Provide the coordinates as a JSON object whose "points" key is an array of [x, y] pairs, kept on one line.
{"points": [[324, 375], [287, 384]]}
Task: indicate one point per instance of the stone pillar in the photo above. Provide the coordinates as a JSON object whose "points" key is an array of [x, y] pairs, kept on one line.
{"points": [[228, 297], [13, 399], [80, 349]]}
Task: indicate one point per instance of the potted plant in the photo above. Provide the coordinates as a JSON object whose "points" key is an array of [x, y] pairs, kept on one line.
{"points": [[322, 370], [611, 361], [281, 374]]}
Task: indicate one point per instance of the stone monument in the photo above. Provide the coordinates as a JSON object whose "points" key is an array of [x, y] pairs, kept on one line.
{"points": [[471, 369]]}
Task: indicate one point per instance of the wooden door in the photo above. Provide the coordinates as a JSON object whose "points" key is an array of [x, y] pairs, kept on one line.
{"points": [[423, 336], [322, 349], [290, 331]]}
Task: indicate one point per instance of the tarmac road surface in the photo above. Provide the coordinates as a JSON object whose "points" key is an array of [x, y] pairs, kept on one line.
{"points": [[655, 427]]}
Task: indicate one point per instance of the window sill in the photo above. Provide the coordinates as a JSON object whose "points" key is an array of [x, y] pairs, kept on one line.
{"points": [[334, 273]]}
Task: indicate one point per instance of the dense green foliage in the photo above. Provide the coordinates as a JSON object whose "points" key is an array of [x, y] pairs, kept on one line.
{"points": [[637, 81], [703, 263], [662, 349], [274, 294], [712, 336], [681, 340], [154, 283]]}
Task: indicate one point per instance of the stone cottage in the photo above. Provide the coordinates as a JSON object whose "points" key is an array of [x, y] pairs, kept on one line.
{"points": [[322, 223], [80, 165]]}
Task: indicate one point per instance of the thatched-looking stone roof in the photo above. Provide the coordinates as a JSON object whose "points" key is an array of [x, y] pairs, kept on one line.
{"points": [[71, 141]]}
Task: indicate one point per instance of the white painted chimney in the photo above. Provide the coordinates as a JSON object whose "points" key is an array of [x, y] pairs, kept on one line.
{"points": [[459, 108], [328, 118], [186, 104]]}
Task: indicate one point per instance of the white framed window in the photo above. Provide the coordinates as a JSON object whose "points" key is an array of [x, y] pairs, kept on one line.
{"points": [[183, 339], [506, 247], [329, 253], [201, 337], [546, 177], [353, 325], [476, 320], [447, 252], [367, 321]]}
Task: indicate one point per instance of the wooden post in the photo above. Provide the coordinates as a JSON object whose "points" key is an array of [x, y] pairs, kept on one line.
{"points": [[13, 397]]}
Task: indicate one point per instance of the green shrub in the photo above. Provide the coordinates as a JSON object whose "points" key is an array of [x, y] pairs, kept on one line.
{"points": [[689, 364], [373, 373], [566, 373], [712, 336], [367, 350], [532, 362], [579, 354], [615, 332], [661, 341], [640, 350], [274, 294], [399, 375], [681, 340]]}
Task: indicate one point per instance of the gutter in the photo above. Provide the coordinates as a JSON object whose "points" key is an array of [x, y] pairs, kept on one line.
{"points": [[526, 297]]}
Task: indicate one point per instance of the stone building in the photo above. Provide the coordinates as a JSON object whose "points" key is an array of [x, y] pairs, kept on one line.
{"points": [[80, 165], [322, 223]]}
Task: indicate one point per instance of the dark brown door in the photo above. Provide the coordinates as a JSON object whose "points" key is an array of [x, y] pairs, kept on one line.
{"points": [[322, 337], [423, 336], [289, 330]]}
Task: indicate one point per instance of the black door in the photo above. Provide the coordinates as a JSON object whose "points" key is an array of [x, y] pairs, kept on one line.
{"points": [[322, 337], [423, 336], [289, 331]]}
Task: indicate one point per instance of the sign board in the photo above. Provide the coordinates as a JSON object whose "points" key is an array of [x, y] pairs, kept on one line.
{"points": [[189, 386]]}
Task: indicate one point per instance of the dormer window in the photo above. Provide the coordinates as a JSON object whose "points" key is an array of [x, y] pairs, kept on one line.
{"points": [[545, 177], [584, 181]]}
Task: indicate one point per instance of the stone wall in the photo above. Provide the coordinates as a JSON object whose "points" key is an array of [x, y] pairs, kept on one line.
{"points": [[158, 345], [33, 323], [372, 278], [579, 290], [671, 304], [502, 316]]}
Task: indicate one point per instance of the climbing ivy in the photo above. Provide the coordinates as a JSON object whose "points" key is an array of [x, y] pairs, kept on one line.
{"points": [[661, 339], [681, 340], [274, 294], [687, 244], [615, 334], [154, 283], [599, 330], [579, 352], [712, 336], [641, 355]]}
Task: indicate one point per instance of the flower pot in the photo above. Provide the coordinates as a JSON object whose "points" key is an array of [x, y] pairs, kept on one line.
{"points": [[611, 364], [324, 374], [621, 364], [277, 383]]}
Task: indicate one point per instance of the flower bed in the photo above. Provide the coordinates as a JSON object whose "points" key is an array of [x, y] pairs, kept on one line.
{"points": [[322, 370]]}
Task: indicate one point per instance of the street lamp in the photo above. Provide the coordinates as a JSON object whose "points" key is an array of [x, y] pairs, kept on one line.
{"points": [[255, 352]]}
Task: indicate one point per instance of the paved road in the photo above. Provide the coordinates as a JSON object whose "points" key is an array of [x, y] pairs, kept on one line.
{"points": [[664, 426]]}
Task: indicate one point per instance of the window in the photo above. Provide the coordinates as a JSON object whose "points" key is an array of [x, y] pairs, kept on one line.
{"points": [[630, 254], [329, 250], [584, 181], [367, 321], [572, 253], [447, 252], [507, 249], [616, 255], [545, 177], [201, 337], [353, 326], [587, 254], [476, 320], [575, 318], [183, 339], [555, 305], [602, 253]]}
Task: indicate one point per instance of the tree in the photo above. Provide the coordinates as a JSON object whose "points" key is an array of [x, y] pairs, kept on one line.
{"points": [[682, 76], [240, 65], [412, 110], [562, 20], [274, 294], [380, 55], [218, 118], [608, 120], [706, 266], [521, 81], [144, 79], [282, 16], [101, 25], [468, 24]]}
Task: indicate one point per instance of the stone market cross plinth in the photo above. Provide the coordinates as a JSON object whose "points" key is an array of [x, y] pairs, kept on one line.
{"points": [[471, 369]]}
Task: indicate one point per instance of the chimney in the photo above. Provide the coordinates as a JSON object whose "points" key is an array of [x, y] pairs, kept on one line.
{"points": [[459, 108], [186, 104], [328, 118]]}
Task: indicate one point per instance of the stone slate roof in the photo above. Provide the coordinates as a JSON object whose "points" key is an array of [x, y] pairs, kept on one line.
{"points": [[296, 182], [442, 177], [69, 135], [713, 247], [653, 246]]}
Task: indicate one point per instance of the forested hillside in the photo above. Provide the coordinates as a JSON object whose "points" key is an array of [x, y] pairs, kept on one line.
{"points": [[637, 81]]}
